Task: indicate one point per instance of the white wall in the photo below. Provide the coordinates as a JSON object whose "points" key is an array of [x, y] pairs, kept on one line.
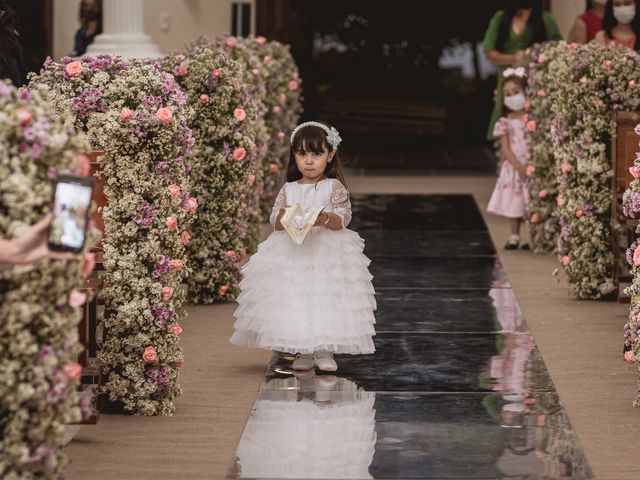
{"points": [[187, 19], [565, 13]]}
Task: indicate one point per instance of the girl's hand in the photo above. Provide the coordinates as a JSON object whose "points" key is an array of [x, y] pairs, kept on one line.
{"points": [[322, 219], [522, 171]]}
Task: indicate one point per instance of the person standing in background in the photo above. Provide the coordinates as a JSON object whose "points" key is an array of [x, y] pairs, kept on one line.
{"points": [[90, 26], [12, 65], [586, 26], [621, 24], [511, 31]]}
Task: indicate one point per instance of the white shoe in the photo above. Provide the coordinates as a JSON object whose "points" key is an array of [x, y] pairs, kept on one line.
{"points": [[303, 361], [325, 362]]}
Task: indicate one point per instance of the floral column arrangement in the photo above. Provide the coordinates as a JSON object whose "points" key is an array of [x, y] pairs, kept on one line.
{"points": [[40, 304], [138, 116], [597, 81], [225, 124]]}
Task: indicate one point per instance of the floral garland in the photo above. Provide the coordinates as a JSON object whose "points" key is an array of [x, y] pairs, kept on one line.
{"points": [[226, 124], [39, 304], [592, 82], [631, 206], [136, 114], [543, 183], [275, 69]]}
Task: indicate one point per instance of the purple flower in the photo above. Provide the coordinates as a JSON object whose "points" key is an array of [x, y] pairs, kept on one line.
{"points": [[41, 453], [630, 251], [163, 266], [146, 217], [162, 314], [88, 102], [159, 376], [26, 95], [631, 203], [151, 101], [52, 172]]}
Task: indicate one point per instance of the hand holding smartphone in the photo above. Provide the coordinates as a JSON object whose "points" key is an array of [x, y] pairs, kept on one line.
{"points": [[71, 205]]}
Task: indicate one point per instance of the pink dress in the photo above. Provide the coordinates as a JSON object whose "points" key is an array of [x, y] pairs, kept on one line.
{"points": [[510, 195]]}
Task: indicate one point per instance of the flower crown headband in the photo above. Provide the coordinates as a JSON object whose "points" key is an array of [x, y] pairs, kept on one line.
{"points": [[333, 137], [515, 72]]}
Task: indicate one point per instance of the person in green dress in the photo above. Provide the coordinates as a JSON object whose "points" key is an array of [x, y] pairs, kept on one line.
{"points": [[511, 31]]}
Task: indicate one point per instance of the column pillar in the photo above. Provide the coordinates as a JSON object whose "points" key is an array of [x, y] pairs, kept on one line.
{"points": [[123, 31]]}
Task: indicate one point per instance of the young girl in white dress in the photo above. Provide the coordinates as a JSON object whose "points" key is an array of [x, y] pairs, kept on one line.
{"points": [[313, 299]]}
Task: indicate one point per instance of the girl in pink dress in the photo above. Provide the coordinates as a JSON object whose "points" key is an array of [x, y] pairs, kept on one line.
{"points": [[509, 198]]}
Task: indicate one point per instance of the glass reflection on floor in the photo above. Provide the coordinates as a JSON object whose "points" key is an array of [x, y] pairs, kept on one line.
{"points": [[309, 424]]}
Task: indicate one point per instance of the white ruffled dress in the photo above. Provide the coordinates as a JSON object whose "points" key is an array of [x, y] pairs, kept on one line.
{"points": [[310, 297]]}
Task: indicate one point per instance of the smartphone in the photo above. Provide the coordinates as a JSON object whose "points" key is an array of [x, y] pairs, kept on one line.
{"points": [[71, 205]]}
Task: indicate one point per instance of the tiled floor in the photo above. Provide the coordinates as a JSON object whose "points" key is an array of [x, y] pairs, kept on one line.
{"points": [[456, 389]]}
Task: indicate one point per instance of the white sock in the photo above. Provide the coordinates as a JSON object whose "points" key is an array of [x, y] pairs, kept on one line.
{"points": [[514, 237]]}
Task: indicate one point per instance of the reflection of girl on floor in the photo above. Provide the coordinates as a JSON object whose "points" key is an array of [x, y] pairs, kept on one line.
{"points": [[309, 424]]}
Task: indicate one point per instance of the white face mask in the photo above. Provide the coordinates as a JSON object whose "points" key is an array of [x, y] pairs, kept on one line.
{"points": [[515, 102], [625, 14]]}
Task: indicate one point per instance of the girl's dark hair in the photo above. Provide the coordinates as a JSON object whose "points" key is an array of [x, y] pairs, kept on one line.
{"points": [[521, 82], [313, 139], [589, 5], [609, 22], [535, 21]]}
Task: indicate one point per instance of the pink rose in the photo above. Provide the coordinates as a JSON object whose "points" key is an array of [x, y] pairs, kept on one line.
{"points": [[578, 213], [634, 171], [583, 80], [632, 84], [566, 168], [172, 222], [531, 125], [283, 98], [535, 218], [88, 263], [167, 293], [276, 109], [185, 237], [177, 329], [629, 357], [273, 168], [255, 71], [174, 190], [239, 153], [240, 114], [177, 264], [636, 257], [165, 115], [261, 40], [530, 170], [541, 58], [223, 290], [542, 93], [204, 99], [607, 64], [542, 193], [192, 205], [150, 355], [231, 254], [560, 201], [216, 72], [573, 46], [293, 85], [564, 261], [77, 298], [251, 178], [266, 59], [183, 70], [74, 69], [232, 42], [24, 116], [73, 371], [126, 114], [280, 135]]}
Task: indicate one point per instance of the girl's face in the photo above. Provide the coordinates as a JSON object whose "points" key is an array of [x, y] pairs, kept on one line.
{"points": [[514, 98], [312, 165], [511, 88]]}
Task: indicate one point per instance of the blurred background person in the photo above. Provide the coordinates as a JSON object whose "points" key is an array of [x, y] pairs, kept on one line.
{"points": [[12, 65], [587, 25], [90, 25], [621, 24]]}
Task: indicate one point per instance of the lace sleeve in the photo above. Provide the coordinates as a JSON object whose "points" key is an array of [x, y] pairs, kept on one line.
{"points": [[281, 201], [340, 203]]}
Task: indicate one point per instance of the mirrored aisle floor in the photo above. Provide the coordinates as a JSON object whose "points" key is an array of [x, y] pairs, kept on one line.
{"points": [[456, 389]]}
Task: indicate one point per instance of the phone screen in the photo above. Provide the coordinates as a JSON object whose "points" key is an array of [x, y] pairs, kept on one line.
{"points": [[71, 203]]}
